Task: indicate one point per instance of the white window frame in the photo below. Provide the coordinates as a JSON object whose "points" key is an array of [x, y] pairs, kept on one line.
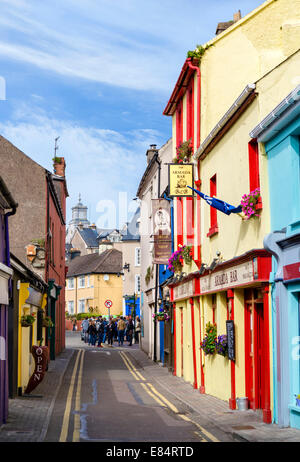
{"points": [[71, 286], [137, 256], [80, 278], [88, 281], [137, 284], [81, 304], [71, 304]]}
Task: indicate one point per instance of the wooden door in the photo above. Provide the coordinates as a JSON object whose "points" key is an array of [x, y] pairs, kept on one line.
{"points": [[258, 359], [249, 352], [181, 339]]}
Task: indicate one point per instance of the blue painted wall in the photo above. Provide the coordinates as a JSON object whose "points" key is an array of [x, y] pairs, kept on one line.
{"points": [[283, 153]]}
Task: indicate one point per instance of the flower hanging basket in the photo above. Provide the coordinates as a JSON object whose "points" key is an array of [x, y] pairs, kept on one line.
{"points": [[179, 257], [47, 322], [27, 320]]}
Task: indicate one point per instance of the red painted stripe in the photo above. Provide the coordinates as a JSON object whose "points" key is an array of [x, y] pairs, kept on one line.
{"points": [[174, 336], [202, 387], [179, 221], [232, 400], [194, 342]]}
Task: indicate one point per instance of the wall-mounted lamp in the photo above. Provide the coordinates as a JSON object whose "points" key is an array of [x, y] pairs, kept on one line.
{"points": [[213, 264], [126, 267], [202, 268]]}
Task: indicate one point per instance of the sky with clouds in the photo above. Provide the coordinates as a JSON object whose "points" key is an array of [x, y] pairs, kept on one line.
{"points": [[98, 74]]}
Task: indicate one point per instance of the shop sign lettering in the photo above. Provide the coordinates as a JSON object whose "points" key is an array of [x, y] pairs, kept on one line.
{"points": [[185, 290], [233, 277]]}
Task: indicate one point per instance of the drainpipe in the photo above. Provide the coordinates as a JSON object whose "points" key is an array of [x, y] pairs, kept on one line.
{"points": [[156, 272], [197, 69]]}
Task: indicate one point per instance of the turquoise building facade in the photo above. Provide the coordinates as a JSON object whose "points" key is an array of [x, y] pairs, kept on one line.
{"points": [[280, 134]]}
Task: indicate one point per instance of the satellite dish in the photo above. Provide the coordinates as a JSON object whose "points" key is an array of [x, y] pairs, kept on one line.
{"points": [[106, 277]]}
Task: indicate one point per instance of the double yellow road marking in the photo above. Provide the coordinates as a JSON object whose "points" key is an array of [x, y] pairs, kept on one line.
{"points": [[66, 418], [160, 399]]}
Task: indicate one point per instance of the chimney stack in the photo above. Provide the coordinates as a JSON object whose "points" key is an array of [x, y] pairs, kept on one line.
{"points": [[151, 152], [59, 166], [74, 253], [237, 16]]}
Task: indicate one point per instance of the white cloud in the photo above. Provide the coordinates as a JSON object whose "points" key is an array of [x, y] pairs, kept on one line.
{"points": [[134, 44], [100, 163]]}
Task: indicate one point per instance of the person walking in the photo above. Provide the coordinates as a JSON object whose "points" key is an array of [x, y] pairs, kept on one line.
{"points": [[137, 330], [84, 327], [110, 333], [130, 328], [75, 324], [121, 330], [100, 333], [92, 331]]}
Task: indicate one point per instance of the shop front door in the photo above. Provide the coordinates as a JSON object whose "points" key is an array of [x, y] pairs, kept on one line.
{"points": [[254, 348]]}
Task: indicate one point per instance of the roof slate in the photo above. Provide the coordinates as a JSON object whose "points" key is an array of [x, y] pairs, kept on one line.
{"points": [[109, 262], [89, 236]]}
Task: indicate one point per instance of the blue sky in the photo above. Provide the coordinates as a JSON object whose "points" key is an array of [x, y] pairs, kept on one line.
{"points": [[98, 74]]}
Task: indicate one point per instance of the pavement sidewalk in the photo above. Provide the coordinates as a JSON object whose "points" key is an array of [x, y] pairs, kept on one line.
{"points": [[29, 417], [242, 425]]}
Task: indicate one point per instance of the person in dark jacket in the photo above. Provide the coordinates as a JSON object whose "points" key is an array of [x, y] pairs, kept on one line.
{"points": [[92, 331], [101, 333], [111, 332], [129, 332]]}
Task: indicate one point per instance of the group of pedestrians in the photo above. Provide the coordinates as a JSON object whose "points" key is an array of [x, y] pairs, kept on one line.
{"points": [[100, 330]]}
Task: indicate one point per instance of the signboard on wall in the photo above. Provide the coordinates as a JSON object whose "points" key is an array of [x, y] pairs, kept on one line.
{"points": [[180, 177], [161, 231], [230, 340], [232, 277]]}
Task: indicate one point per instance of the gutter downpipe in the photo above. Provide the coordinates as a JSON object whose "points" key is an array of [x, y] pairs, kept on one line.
{"points": [[197, 69], [156, 273]]}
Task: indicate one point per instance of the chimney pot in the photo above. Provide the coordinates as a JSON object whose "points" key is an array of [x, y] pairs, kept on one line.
{"points": [[237, 16], [59, 166]]}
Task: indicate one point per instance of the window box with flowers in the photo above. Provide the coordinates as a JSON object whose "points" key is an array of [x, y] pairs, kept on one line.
{"points": [[222, 345], [179, 257], [251, 204], [27, 320], [209, 343]]}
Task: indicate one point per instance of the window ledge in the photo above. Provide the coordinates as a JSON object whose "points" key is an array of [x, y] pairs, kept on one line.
{"points": [[213, 231]]}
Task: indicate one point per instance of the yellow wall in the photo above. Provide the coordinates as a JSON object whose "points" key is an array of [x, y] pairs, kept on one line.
{"points": [[96, 295], [26, 362]]}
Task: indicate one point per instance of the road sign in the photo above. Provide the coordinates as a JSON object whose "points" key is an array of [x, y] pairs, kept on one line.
{"points": [[108, 303]]}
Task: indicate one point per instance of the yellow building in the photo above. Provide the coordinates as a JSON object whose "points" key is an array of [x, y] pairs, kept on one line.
{"points": [[94, 284], [218, 99]]}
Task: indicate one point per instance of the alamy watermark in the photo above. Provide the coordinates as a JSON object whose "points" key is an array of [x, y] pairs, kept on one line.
{"points": [[2, 89]]}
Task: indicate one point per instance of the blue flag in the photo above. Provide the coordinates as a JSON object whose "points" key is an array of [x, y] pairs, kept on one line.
{"points": [[218, 204]]}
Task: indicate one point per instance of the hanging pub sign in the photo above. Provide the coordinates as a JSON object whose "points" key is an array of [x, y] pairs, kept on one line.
{"points": [[180, 177], [161, 231]]}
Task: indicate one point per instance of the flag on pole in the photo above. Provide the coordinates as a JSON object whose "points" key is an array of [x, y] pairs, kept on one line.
{"points": [[218, 204]]}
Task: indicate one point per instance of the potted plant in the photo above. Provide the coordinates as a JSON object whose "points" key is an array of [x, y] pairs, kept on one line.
{"points": [[27, 320], [47, 322], [222, 345], [249, 204], [161, 315], [183, 152], [183, 254], [208, 345]]}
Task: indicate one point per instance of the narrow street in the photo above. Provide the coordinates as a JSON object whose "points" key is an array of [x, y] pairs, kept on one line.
{"points": [[106, 396]]}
